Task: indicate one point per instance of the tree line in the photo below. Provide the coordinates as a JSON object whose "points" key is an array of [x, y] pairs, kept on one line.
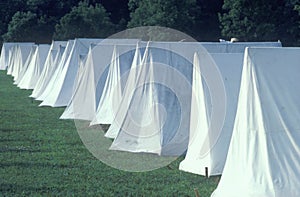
{"points": [[41, 21]]}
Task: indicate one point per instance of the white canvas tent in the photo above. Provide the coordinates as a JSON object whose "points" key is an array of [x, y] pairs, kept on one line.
{"points": [[113, 98], [62, 88], [5, 54], [97, 77], [17, 56], [207, 149], [54, 55], [81, 67], [21, 55], [18, 61], [208, 143], [56, 72], [11, 58], [82, 60], [35, 67], [26, 64], [235, 47], [155, 110], [168, 142], [264, 152]]}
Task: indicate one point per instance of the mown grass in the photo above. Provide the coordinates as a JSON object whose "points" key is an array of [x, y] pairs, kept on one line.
{"points": [[41, 155]]}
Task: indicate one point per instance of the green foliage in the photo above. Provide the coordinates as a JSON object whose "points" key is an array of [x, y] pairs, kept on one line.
{"points": [[247, 19], [27, 26], [51, 8], [206, 27], [84, 21], [7, 9], [172, 13], [297, 8], [295, 28], [32, 20], [117, 8], [259, 20]]}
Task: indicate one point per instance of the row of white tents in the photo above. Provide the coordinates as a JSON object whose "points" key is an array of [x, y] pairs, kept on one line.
{"points": [[231, 108]]}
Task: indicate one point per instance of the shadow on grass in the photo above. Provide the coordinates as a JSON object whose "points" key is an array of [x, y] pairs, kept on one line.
{"points": [[3, 140], [17, 150], [7, 140], [31, 165], [8, 187], [11, 130]]}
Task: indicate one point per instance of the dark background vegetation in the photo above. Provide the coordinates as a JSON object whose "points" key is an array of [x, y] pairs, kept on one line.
{"points": [[206, 20]]}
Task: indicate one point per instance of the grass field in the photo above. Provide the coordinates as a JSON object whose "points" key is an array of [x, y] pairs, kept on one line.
{"points": [[41, 155]]}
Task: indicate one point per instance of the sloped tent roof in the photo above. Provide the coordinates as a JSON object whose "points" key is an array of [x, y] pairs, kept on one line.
{"points": [[205, 150], [82, 60], [211, 47], [264, 152], [235, 47], [141, 144], [208, 147], [21, 56], [5, 54], [11, 58], [113, 97], [128, 91], [92, 82], [63, 87], [35, 67], [81, 67], [57, 71], [166, 128], [120, 111], [54, 55], [18, 61], [26, 64], [20, 50]]}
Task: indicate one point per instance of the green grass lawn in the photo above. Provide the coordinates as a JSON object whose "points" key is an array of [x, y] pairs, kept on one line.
{"points": [[41, 155]]}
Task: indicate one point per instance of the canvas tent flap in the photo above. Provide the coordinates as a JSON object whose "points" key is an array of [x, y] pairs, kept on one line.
{"points": [[26, 64], [17, 55], [84, 84], [54, 55], [18, 61], [95, 78], [127, 94], [112, 94], [62, 89], [208, 143], [112, 90], [21, 55], [264, 152], [169, 129], [148, 102], [207, 148], [20, 58], [172, 144], [11, 59], [35, 67], [5, 54], [56, 72]]}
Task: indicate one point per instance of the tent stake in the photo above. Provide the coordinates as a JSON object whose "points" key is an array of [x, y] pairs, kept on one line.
{"points": [[206, 172], [196, 192]]}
